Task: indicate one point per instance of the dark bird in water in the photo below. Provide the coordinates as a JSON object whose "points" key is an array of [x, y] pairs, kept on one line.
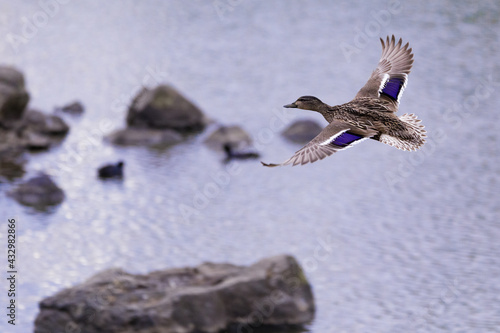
{"points": [[231, 154], [370, 115], [111, 170]]}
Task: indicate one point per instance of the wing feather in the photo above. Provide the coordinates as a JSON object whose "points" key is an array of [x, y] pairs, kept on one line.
{"points": [[332, 138], [389, 79]]}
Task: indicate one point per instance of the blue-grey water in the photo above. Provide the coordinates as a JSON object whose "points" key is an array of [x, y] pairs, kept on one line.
{"points": [[410, 240]]}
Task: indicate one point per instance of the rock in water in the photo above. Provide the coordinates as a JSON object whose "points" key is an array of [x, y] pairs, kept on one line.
{"points": [[13, 95], [45, 124], [11, 166], [144, 137], [22, 129], [34, 131], [302, 131], [233, 135], [164, 108], [39, 192], [207, 298], [159, 117], [36, 141], [238, 155]]}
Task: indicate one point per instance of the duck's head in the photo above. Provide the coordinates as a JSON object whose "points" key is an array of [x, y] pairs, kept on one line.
{"points": [[307, 103]]}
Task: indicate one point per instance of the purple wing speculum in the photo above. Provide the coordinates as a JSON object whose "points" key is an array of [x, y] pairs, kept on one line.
{"points": [[394, 87], [343, 139]]}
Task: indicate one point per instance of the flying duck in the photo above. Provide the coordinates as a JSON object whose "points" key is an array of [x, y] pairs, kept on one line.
{"points": [[370, 115]]}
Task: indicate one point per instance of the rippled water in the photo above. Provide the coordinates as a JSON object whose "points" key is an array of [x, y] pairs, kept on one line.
{"points": [[412, 239]]}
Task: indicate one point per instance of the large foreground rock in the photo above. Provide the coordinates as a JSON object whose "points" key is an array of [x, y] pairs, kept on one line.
{"points": [[164, 108], [13, 95], [207, 298], [39, 191]]}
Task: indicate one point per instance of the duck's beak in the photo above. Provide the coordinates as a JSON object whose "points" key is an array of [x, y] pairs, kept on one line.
{"points": [[293, 105]]}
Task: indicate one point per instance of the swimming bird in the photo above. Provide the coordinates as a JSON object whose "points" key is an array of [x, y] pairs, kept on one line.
{"points": [[370, 115], [111, 170]]}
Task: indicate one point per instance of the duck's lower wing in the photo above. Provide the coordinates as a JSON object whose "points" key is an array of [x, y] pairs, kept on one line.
{"points": [[333, 138]]}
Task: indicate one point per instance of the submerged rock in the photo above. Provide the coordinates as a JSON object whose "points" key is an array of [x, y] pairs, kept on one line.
{"points": [[232, 154], [144, 137], [13, 95], [36, 141], [234, 136], [23, 130], [164, 107], [159, 117], [11, 166], [39, 191], [41, 123], [207, 298], [34, 131], [302, 131]]}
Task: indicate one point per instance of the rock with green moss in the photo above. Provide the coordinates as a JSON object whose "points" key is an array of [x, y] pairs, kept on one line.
{"points": [[164, 107]]}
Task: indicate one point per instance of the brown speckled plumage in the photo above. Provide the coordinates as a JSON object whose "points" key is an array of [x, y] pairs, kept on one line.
{"points": [[371, 114]]}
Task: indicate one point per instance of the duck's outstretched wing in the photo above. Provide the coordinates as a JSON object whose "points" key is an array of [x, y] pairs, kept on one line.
{"points": [[334, 137], [389, 79]]}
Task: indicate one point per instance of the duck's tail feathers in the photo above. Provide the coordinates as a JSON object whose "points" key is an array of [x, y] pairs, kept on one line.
{"points": [[414, 140]]}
